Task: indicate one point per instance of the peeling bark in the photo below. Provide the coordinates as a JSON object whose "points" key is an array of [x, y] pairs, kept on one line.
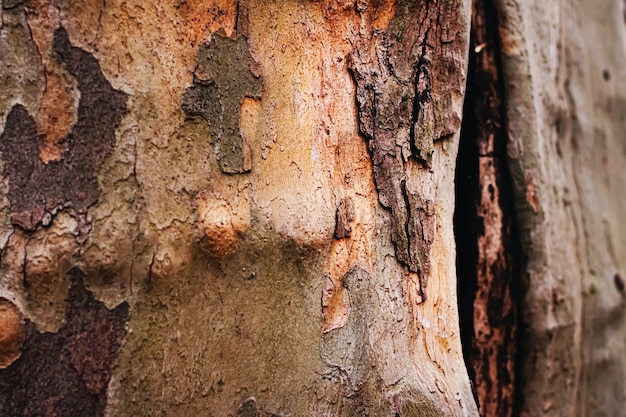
{"points": [[407, 80], [11, 333]]}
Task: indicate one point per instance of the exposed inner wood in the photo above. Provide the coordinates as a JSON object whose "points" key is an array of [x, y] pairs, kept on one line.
{"points": [[486, 239]]}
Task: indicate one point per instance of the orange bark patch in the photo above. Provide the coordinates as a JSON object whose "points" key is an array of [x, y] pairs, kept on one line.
{"points": [[11, 333], [531, 194], [58, 111], [335, 306], [221, 224], [203, 18], [383, 13], [56, 116]]}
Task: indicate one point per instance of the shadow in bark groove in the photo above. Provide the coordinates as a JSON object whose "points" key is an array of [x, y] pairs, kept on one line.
{"points": [[488, 247]]}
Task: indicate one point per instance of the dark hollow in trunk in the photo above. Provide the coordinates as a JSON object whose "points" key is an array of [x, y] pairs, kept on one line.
{"points": [[488, 252]]}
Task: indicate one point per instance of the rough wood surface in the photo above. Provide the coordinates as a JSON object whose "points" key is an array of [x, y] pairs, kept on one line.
{"points": [[488, 252], [242, 289], [408, 78]]}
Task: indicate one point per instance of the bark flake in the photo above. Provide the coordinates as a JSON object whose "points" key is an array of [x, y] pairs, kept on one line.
{"points": [[225, 74], [11, 332]]}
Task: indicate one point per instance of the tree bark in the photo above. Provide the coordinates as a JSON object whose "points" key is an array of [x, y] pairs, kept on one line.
{"points": [[564, 85], [245, 208]]}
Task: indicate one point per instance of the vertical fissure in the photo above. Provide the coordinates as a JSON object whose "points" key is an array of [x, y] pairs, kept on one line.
{"points": [[488, 247]]}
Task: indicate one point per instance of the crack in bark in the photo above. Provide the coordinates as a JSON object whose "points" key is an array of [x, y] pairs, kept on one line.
{"points": [[488, 246]]}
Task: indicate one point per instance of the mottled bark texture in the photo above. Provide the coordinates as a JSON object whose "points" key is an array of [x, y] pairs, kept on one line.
{"points": [[246, 207], [37, 190], [65, 373], [191, 219]]}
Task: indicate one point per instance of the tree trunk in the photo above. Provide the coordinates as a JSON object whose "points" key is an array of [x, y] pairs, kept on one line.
{"points": [[565, 85], [248, 208]]}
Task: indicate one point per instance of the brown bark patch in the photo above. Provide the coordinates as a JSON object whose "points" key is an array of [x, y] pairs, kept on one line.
{"points": [[66, 373], [343, 217], [38, 190], [11, 333]]}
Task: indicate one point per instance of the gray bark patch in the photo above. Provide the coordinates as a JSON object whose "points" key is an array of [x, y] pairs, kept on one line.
{"points": [[38, 190], [223, 78], [347, 349]]}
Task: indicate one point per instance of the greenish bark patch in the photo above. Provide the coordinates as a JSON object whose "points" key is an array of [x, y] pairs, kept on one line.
{"points": [[223, 78], [347, 349]]}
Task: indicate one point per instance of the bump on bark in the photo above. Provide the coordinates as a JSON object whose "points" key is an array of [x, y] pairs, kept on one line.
{"points": [[11, 332]]}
